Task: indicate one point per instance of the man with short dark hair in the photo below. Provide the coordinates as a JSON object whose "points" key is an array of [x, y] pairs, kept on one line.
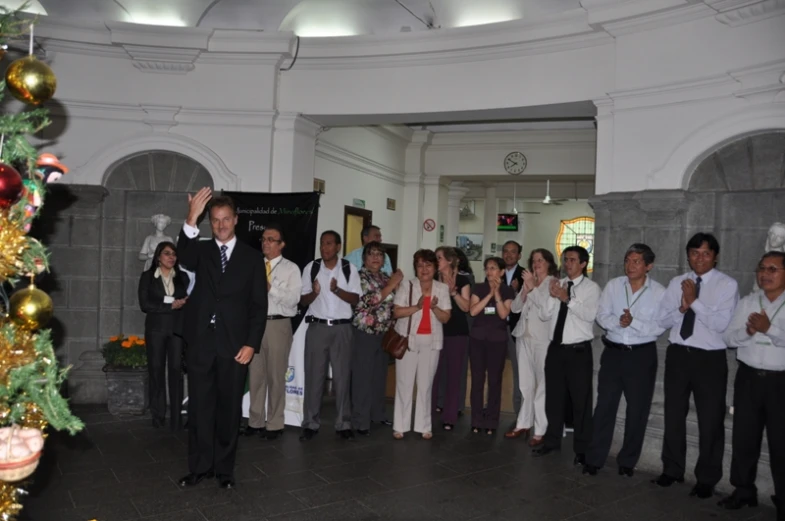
{"points": [[330, 288], [758, 329], [697, 307], [368, 234], [226, 316], [267, 370], [569, 364], [628, 313], [513, 277]]}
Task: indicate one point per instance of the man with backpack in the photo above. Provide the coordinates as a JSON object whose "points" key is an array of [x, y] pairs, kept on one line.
{"points": [[331, 286]]}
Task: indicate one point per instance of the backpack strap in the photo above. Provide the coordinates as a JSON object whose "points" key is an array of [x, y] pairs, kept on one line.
{"points": [[347, 269], [315, 267]]}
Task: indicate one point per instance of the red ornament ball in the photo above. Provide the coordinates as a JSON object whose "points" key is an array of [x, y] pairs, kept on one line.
{"points": [[11, 187]]}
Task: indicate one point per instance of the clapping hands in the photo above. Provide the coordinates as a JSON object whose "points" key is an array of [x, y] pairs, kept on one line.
{"points": [[196, 205]]}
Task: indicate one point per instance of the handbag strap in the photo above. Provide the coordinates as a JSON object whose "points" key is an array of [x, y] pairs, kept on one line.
{"points": [[411, 290]]}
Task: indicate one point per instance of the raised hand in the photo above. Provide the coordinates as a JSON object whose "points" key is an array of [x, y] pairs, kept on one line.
{"points": [[317, 288], [197, 204], [557, 291], [434, 301], [420, 302], [759, 322], [528, 280], [333, 284], [689, 291], [516, 285]]}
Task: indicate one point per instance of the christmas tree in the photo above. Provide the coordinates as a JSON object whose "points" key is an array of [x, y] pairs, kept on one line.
{"points": [[30, 379]]}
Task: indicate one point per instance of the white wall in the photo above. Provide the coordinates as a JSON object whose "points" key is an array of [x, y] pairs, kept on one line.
{"points": [[361, 163]]}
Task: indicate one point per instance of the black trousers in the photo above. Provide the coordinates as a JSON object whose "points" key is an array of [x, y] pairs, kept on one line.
{"points": [[215, 396], [757, 403], [568, 375], [704, 374], [632, 373], [163, 348]]}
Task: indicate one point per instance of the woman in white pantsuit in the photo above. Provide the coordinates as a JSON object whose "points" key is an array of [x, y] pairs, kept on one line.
{"points": [[429, 309], [531, 343]]}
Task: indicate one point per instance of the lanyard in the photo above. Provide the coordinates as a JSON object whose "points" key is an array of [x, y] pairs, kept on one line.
{"points": [[771, 318], [626, 294]]}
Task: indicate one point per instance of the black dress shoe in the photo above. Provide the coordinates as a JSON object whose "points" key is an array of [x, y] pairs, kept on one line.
{"points": [[542, 451], [702, 491], [346, 434], [273, 435], [194, 479], [364, 432], [580, 459], [308, 434], [665, 480], [735, 502], [591, 470], [253, 431], [626, 471], [227, 483], [388, 423]]}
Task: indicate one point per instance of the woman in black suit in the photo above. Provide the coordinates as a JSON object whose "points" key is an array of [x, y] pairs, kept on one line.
{"points": [[162, 293]]}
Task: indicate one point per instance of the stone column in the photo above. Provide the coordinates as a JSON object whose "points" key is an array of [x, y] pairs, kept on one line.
{"points": [[294, 153], [454, 197], [489, 222], [603, 180], [413, 199], [430, 239]]}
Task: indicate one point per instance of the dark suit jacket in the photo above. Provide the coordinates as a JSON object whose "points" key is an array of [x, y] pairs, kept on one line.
{"points": [[161, 317], [237, 297], [518, 275]]}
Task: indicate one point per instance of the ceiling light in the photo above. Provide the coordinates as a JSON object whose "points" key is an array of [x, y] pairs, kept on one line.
{"points": [[168, 20], [316, 30]]}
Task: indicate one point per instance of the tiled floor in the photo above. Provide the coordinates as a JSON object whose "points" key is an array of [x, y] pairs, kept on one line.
{"points": [[126, 470]]}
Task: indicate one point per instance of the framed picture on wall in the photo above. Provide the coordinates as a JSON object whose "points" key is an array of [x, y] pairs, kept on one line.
{"points": [[470, 244]]}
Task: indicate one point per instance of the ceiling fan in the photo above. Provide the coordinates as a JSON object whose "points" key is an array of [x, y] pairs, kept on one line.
{"points": [[515, 202], [548, 200]]}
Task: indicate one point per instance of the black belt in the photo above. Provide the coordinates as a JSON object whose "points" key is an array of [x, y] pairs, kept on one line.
{"points": [[761, 372], [625, 347], [585, 343], [276, 317], [328, 321], [692, 349]]}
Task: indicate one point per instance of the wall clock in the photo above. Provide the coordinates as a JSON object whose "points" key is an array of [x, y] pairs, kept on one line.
{"points": [[515, 163]]}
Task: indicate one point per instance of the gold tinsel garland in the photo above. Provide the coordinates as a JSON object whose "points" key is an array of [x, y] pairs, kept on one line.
{"points": [[15, 352], [9, 500], [13, 243]]}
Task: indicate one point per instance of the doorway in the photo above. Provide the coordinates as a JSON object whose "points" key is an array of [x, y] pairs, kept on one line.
{"points": [[354, 220]]}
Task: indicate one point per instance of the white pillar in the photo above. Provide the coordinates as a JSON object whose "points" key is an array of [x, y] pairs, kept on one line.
{"points": [[454, 197], [489, 222], [413, 195], [430, 239], [603, 176], [294, 153]]}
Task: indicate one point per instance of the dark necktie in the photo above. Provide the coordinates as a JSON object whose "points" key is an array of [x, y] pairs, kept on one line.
{"points": [[688, 324], [558, 333], [224, 258]]}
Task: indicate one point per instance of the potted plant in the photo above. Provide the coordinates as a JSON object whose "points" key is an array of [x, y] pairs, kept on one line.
{"points": [[126, 374]]}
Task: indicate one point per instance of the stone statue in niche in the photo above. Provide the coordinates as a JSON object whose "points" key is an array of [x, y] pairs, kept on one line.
{"points": [[775, 240], [160, 221]]}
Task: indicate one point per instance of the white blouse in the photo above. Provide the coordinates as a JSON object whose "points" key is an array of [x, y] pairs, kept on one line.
{"points": [[439, 290]]}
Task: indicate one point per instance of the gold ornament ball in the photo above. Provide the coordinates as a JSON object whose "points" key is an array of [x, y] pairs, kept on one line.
{"points": [[31, 80], [30, 308]]}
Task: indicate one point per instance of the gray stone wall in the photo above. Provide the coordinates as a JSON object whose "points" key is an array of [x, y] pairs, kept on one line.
{"points": [[736, 193]]}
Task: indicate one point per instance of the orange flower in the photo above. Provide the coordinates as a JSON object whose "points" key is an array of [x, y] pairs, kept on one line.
{"points": [[133, 338], [140, 342], [126, 344], [114, 338]]}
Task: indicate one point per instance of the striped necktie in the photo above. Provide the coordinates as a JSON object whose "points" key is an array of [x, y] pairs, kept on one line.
{"points": [[224, 258]]}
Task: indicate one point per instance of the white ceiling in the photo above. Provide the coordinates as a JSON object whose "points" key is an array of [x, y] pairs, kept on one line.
{"points": [[304, 17]]}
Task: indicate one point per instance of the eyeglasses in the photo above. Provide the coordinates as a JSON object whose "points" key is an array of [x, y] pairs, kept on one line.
{"points": [[169, 253], [375, 254], [771, 270], [270, 240]]}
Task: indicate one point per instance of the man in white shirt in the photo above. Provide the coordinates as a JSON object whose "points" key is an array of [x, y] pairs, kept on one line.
{"points": [[331, 286], [697, 307], [758, 329], [267, 370], [368, 234], [569, 364], [628, 314], [513, 277]]}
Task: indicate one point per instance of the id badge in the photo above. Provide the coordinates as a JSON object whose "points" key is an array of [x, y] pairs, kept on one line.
{"points": [[168, 299], [490, 310]]}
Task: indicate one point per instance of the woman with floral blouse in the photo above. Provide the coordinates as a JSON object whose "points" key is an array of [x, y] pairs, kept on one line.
{"points": [[372, 318]]}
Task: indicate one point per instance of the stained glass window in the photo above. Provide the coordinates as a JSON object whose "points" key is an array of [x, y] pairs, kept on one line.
{"points": [[577, 232]]}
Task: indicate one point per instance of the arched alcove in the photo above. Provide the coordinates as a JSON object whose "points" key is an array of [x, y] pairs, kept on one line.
{"points": [[158, 171]]}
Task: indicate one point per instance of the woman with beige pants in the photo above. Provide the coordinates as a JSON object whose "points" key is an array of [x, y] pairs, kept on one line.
{"points": [[421, 316]]}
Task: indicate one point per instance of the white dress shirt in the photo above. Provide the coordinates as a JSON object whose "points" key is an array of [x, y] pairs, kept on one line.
{"points": [[713, 309], [327, 305], [530, 324], [510, 273], [582, 310], [762, 350], [644, 306], [285, 287], [192, 232]]}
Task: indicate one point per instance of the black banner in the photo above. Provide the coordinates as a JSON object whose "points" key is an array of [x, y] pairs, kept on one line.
{"points": [[295, 213]]}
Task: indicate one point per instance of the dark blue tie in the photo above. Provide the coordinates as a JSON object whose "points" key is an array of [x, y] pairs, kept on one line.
{"points": [[224, 258], [688, 323]]}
